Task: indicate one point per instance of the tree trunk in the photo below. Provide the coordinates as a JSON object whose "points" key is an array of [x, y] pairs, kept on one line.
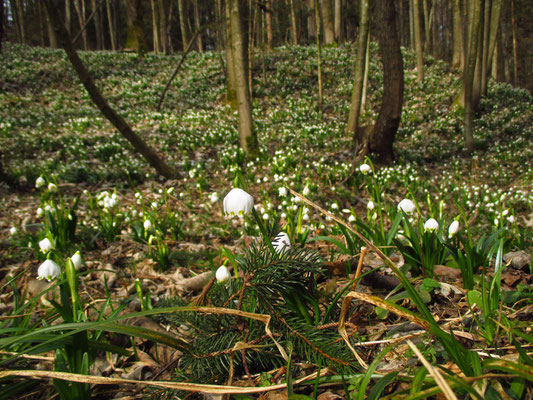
{"points": [[360, 63], [97, 26], [311, 24], [2, 23], [20, 13], [458, 50], [41, 23], [155, 29], [140, 146], [111, 26], [327, 17], [136, 39], [80, 11], [199, 45], [163, 27], [338, 21], [270, 35], [183, 24], [68, 16], [485, 47], [468, 75], [493, 32], [294, 28], [231, 93], [51, 33], [382, 136], [318, 52], [248, 138], [418, 42]]}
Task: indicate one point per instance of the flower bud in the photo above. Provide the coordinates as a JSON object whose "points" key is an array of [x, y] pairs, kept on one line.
{"points": [[222, 274]]}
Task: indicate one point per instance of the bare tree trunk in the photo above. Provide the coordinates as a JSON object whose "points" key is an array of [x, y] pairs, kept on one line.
{"points": [[41, 23], [231, 92], [163, 27], [80, 10], [2, 25], [327, 16], [411, 25], [384, 132], [51, 33], [311, 24], [360, 63], [468, 75], [318, 52], [458, 51], [183, 24], [248, 137], [140, 146], [68, 16], [155, 30], [485, 47], [268, 15], [493, 32], [97, 26], [136, 39], [199, 45], [111, 26], [294, 28], [418, 42], [20, 13], [338, 21]]}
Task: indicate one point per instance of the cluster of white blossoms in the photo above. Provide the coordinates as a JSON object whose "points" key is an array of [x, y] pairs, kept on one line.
{"points": [[106, 200]]}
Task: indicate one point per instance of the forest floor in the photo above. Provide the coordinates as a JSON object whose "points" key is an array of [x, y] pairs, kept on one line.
{"points": [[150, 246]]}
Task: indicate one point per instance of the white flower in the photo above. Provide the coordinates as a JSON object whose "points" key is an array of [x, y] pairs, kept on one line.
{"points": [[407, 206], [351, 218], [147, 224], [13, 231], [40, 212], [213, 197], [238, 202], [48, 270], [334, 206], [453, 229], [45, 245], [282, 191], [306, 191], [370, 205], [222, 274], [281, 242], [431, 225], [365, 169], [39, 183], [510, 219], [52, 187], [76, 260]]}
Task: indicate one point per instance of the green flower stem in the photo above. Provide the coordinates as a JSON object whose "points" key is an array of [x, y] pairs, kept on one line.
{"points": [[263, 230]]}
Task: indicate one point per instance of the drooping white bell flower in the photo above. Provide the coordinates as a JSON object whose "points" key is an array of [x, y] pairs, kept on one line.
{"points": [[45, 245], [147, 224], [238, 202], [222, 274], [76, 260], [213, 197], [13, 231], [48, 270], [453, 229], [306, 191], [282, 191], [365, 169], [407, 206], [370, 205], [39, 182], [52, 187], [431, 225], [281, 242]]}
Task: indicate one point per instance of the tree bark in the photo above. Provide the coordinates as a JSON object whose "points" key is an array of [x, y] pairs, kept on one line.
{"points": [[163, 27], [458, 49], [2, 23], [68, 16], [199, 45], [468, 75], [270, 35], [360, 63], [327, 17], [231, 93], [383, 135], [51, 33], [20, 13], [80, 11], [319, 53], [83, 74], [418, 41], [183, 24], [248, 137], [111, 26], [155, 29], [294, 28], [136, 39], [338, 21], [311, 21]]}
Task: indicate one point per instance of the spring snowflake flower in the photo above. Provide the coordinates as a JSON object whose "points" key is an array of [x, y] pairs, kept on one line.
{"points": [[282, 191], [510, 219], [40, 212], [306, 191], [13, 231], [365, 169], [45, 245], [453, 229], [39, 182], [431, 225], [281, 242], [370, 205], [351, 218], [76, 260], [222, 274], [52, 187], [147, 224], [213, 197], [238, 202], [407, 206], [48, 270]]}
